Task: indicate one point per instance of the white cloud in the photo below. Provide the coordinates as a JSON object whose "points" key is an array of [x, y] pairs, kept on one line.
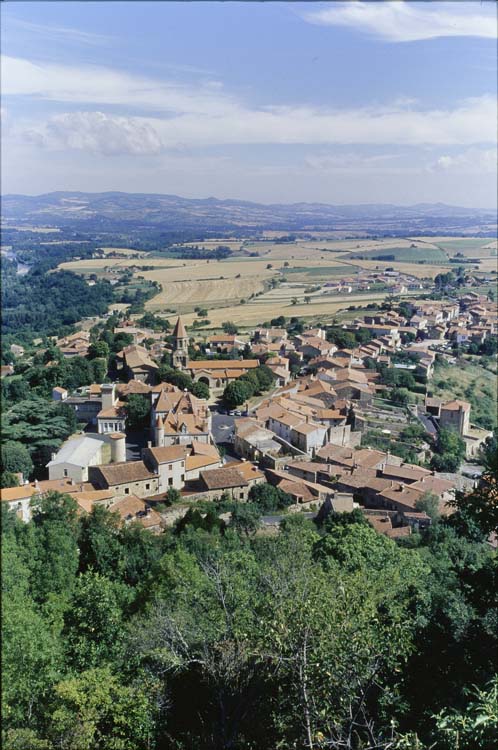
{"points": [[472, 161], [97, 132], [105, 86], [473, 121], [400, 21], [204, 114], [57, 33]]}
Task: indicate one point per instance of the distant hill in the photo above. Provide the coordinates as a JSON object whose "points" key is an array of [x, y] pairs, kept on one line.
{"points": [[115, 210]]}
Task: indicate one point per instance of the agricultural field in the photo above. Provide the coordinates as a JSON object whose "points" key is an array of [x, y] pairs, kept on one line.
{"points": [[220, 285], [403, 254]]}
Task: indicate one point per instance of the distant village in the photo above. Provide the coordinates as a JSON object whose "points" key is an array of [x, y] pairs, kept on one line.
{"points": [[304, 435]]}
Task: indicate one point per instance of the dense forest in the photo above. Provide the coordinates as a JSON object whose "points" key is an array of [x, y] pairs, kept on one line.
{"points": [[214, 636]]}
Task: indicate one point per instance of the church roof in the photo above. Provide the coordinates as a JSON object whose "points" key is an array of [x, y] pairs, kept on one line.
{"points": [[180, 331]]}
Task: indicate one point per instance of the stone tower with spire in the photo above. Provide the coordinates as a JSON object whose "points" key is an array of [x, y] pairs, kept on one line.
{"points": [[180, 345]]}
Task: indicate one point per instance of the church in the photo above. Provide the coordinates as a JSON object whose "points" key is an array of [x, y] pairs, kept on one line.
{"points": [[215, 373]]}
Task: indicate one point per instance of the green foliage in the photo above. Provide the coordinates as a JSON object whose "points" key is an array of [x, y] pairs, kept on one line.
{"points": [[40, 425], [341, 338], [475, 728], [137, 410], [97, 710], [200, 389], [245, 518], [269, 498], [428, 503], [93, 628], [230, 328], [401, 396], [98, 349], [236, 393], [16, 458]]}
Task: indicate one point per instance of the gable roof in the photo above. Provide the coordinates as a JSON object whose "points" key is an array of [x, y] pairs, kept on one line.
{"points": [[220, 479], [124, 472], [167, 454]]}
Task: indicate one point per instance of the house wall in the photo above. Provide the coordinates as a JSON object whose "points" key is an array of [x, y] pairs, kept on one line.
{"points": [[453, 419], [171, 475], [143, 488]]}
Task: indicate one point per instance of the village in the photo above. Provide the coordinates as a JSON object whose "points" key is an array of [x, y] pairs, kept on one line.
{"points": [[319, 432]]}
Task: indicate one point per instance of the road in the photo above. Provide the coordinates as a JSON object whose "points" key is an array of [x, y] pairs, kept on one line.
{"points": [[222, 427]]}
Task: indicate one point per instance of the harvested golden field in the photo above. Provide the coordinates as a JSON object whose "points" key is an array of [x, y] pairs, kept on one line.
{"points": [[195, 291], [96, 265], [262, 309]]}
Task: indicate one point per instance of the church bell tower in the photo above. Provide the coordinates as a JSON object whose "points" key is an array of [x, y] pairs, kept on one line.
{"points": [[180, 345]]}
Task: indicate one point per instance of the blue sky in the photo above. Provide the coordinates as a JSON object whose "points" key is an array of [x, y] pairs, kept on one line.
{"points": [[339, 102]]}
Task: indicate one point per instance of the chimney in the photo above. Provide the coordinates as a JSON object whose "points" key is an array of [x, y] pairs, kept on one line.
{"points": [[149, 443]]}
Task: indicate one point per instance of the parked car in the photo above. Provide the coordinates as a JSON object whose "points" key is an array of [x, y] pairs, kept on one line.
{"points": [[237, 413]]}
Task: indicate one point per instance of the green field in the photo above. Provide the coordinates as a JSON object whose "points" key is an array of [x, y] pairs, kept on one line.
{"points": [[342, 270], [403, 254]]}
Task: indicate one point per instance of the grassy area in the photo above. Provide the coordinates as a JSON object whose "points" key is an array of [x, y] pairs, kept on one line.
{"points": [[341, 270], [407, 254], [470, 381]]}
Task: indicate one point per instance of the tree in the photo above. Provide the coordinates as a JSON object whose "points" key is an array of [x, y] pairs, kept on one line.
{"points": [[172, 496], [8, 479], [307, 299], [401, 396], [200, 389], [428, 503], [16, 458], [99, 349], [480, 506], [236, 393], [245, 519], [294, 301], [96, 709], [137, 410], [269, 498], [230, 328], [475, 728], [93, 627]]}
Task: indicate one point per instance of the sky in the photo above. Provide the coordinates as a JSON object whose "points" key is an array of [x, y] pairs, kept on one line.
{"points": [[339, 102]]}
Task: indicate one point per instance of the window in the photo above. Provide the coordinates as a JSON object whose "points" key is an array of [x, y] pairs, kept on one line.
{"points": [[147, 486], [183, 477], [170, 467], [183, 464], [241, 496], [65, 472], [127, 491], [170, 481]]}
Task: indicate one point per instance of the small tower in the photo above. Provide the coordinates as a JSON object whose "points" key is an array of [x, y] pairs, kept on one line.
{"points": [[159, 433], [180, 345]]}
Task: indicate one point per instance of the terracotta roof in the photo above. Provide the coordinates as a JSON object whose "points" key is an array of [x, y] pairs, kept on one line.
{"points": [[219, 479], [168, 453], [122, 473], [297, 489], [220, 364], [248, 470], [197, 462], [114, 412], [133, 386], [10, 494], [405, 472], [456, 406], [204, 449], [133, 508]]}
